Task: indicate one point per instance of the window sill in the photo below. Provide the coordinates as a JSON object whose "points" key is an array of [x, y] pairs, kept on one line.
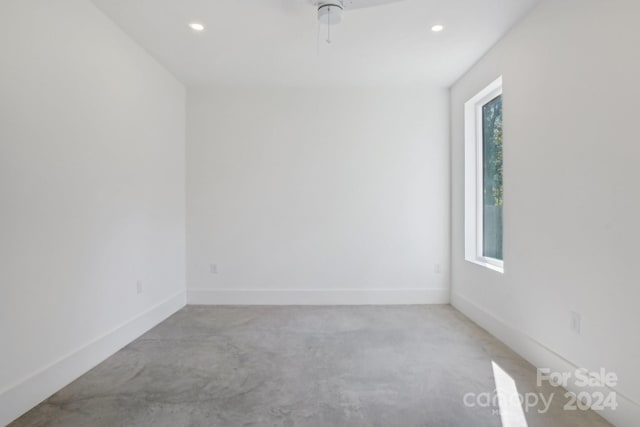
{"points": [[487, 264]]}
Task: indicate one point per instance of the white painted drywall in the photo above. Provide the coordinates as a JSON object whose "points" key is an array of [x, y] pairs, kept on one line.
{"points": [[92, 140], [275, 42], [327, 196], [571, 89]]}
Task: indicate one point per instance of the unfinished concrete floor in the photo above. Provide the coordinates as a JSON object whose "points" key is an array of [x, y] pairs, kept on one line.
{"points": [[302, 366]]}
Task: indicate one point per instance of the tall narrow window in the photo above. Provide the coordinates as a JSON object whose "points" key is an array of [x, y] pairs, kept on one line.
{"points": [[492, 178], [484, 178]]}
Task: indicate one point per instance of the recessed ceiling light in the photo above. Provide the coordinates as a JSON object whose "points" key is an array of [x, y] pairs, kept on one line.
{"points": [[196, 26], [437, 28]]}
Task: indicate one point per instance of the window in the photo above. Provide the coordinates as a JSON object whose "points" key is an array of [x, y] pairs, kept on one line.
{"points": [[483, 178]]}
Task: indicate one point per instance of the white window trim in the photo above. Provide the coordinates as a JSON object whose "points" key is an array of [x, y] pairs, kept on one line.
{"points": [[473, 171]]}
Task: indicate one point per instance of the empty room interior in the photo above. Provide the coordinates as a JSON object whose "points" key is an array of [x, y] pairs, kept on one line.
{"points": [[323, 213]]}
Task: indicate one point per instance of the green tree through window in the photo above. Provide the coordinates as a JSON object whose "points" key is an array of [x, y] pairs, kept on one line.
{"points": [[492, 178]]}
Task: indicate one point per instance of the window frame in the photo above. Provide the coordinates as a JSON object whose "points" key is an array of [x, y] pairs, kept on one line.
{"points": [[474, 177]]}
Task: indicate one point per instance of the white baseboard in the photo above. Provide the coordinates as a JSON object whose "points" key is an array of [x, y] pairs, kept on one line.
{"points": [[626, 415], [21, 397], [317, 296]]}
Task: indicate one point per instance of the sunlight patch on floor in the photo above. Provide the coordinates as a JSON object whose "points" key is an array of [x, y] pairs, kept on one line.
{"points": [[511, 412]]}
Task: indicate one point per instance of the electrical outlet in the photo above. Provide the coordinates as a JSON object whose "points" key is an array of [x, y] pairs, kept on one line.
{"points": [[576, 321], [213, 269], [437, 269], [139, 286]]}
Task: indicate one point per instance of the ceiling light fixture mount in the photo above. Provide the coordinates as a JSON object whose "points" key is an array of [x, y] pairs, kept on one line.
{"points": [[437, 28]]}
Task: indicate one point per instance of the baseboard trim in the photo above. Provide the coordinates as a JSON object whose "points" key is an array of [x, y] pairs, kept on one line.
{"points": [[317, 296], [26, 394], [628, 412]]}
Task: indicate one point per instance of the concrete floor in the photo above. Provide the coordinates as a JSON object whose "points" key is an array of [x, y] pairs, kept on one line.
{"points": [[301, 366]]}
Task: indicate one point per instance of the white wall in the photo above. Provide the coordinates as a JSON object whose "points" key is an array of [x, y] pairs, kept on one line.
{"points": [[92, 195], [572, 202], [317, 196]]}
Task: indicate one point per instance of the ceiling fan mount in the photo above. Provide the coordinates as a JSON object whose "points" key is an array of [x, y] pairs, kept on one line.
{"points": [[330, 12]]}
